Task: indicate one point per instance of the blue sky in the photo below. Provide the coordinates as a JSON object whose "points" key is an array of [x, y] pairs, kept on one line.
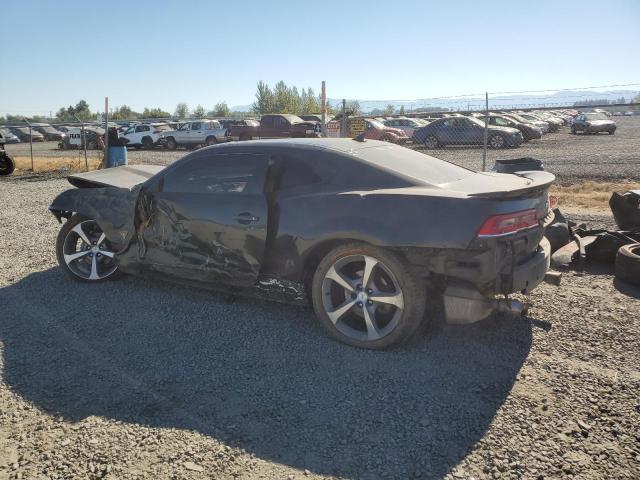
{"points": [[158, 53]]}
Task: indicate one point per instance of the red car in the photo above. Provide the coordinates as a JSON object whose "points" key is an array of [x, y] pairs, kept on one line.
{"points": [[375, 130]]}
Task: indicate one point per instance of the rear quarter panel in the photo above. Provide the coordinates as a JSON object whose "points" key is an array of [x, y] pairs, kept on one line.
{"points": [[300, 223]]}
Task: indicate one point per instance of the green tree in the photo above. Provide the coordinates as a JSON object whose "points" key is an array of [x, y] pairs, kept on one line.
{"points": [[154, 113], [220, 110], [389, 110], [636, 100], [353, 107], [199, 112], [81, 110], [182, 110], [401, 112], [264, 99], [124, 112]]}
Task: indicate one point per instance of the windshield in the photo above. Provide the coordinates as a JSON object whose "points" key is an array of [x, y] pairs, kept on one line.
{"points": [[596, 116], [376, 124], [412, 164]]}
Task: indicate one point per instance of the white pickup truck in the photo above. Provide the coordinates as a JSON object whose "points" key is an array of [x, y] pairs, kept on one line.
{"points": [[196, 132]]}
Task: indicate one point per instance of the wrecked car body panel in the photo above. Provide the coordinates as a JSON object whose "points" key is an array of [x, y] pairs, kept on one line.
{"points": [[230, 235]]}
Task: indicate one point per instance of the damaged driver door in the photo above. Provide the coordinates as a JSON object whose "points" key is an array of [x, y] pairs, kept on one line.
{"points": [[207, 220]]}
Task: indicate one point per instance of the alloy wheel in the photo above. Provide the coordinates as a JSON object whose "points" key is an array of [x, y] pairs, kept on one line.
{"points": [[431, 142], [362, 297], [497, 141], [87, 253]]}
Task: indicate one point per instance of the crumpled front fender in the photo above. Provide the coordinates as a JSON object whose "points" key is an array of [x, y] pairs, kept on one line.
{"points": [[112, 208]]}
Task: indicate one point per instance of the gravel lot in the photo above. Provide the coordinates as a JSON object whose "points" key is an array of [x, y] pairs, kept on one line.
{"points": [[133, 379], [570, 157]]}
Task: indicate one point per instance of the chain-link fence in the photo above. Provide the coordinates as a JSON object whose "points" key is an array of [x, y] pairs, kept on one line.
{"points": [[575, 133]]}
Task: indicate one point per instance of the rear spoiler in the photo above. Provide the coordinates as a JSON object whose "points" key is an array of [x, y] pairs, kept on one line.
{"points": [[540, 181]]}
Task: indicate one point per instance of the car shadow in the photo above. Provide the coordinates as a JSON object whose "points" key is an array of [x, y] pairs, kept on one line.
{"points": [[257, 375]]}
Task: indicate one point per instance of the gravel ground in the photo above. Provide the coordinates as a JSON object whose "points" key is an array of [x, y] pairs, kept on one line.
{"points": [[570, 157], [133, 379]]}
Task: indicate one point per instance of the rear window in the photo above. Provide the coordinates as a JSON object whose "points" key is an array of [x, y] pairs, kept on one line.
{"points": [[411, 164]]}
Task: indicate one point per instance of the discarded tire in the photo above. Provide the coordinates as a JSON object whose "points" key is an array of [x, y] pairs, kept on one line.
{"points": [[628, 263], [6, 164]]}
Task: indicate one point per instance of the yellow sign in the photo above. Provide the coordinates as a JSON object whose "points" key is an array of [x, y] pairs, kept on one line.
{"points": [[356, 126]]}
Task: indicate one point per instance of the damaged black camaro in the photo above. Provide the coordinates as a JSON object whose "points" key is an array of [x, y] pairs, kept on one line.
{"points": [[372, 231]]}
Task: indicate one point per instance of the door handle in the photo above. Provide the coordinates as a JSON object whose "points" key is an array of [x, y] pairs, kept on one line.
{"points": [[246, 218]]}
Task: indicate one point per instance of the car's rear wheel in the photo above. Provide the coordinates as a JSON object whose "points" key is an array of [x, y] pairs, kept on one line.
{"points": [[211, 141], [573, 130], [497, 141], [171, 143], [611, 132], [366, 297], [147, 143], [431, 142], [83, 252]]}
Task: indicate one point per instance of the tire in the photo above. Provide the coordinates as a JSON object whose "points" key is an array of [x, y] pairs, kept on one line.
{"points": [[573, 130], [628, 263], [211, 141], [81, 256], [431, 142], [339, 291], [497, 141], [7, 165], [611, 132], [171, 143], [147, 143]]}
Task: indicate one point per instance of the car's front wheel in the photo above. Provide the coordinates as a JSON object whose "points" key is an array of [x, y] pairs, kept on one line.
{"points": [[366, 297], [83, 251], [431, 142], [497, 141], [147, 143]]}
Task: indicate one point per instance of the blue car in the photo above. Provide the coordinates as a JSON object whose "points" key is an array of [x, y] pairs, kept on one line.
{"points": [[465, 131]]}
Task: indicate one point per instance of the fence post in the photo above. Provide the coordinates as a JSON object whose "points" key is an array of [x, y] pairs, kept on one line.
{"points": [[30, 141], [106, 132], [84, 142], [486, 132], [343, 120]]}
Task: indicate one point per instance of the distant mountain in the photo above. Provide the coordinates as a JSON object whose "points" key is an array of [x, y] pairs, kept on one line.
{"points": [[557, 99], [564, 98]]}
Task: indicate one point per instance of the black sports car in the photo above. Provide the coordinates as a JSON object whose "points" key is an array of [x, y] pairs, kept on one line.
{"points": [[593, 123], [371, 231]]}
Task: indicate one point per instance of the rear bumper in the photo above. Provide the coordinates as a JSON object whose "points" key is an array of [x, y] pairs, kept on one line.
{"points": [[464, 303]]}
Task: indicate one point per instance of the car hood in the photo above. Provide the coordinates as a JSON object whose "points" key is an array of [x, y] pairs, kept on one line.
{"points": [[121, 177]]}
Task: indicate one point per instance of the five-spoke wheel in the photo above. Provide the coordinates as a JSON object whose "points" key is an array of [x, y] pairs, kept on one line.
{"points": [[365, 297], [84, 252]]}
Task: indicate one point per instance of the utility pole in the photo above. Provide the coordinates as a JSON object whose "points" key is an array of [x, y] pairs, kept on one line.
{"points": [[323, 99]]}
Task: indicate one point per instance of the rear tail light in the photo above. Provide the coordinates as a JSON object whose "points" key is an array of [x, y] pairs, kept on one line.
{"points": [[504, 224]]}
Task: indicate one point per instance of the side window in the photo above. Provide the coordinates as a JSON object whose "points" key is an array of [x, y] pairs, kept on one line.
{"points": [[129, 130], [196, 125], [448, 123], [218, 174], [501, 122], [139, 128], [268, 122], [145, 128], [296, 172]]}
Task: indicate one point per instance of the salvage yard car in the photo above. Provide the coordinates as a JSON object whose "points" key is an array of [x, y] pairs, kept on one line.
{"points": [[375, 130], [593, 123], [276, 126], [7, 164], [465, 131], [191, 134], [314, 212], [529, 132], [144, 136]]}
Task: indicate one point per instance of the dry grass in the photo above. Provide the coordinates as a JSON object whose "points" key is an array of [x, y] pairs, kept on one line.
{"points": [[49, 164], [590, 194]]}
